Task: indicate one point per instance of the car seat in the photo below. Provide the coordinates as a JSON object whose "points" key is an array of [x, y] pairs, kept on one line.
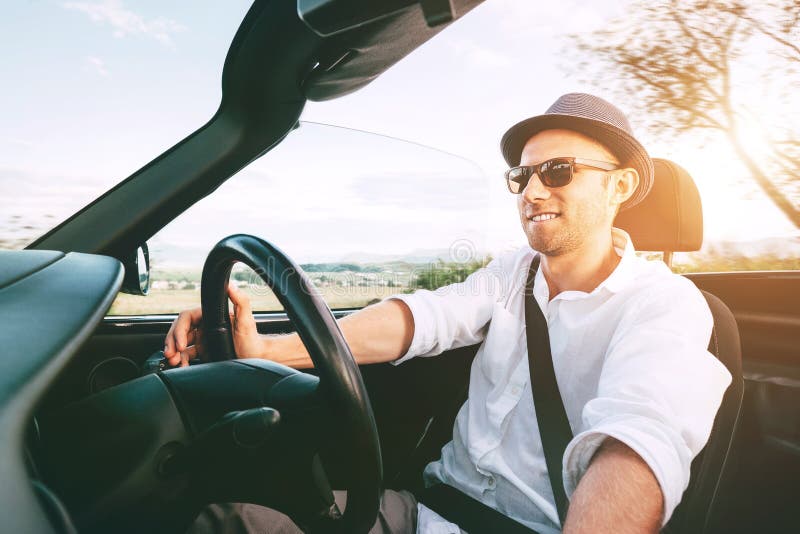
{"points": [[670, 219]]}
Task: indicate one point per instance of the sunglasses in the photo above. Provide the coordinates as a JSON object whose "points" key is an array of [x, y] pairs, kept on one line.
{"points": [[556, 172]]}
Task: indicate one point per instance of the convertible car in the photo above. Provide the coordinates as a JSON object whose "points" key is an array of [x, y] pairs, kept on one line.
{"points": [[97, 435]]}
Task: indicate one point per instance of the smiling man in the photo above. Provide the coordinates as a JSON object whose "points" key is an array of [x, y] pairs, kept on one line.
{"points": [[628, 341]]}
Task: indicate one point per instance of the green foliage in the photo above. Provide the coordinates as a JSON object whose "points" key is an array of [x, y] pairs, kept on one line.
{"points": [[242, 276], [439, 274], [332, 268], [341, 268]]}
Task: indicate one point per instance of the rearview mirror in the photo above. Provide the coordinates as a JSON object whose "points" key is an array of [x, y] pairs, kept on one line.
{"points": [[137, 272], [329, 17]]}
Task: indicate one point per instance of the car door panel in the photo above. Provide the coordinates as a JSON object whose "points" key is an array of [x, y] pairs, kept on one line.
{"points": [[767, 453]]}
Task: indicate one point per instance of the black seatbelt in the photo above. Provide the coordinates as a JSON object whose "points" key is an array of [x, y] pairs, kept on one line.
{"points": [[474, 516], [550, 413], [469, 514]]}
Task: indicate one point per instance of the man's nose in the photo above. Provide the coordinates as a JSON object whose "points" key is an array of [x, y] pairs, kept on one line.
{"points": [[535, 190]]}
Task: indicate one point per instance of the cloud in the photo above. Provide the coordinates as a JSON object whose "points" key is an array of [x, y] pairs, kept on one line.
{"points": [[445, 191], [125, 22], [536, 22], [97, 64], [16, 143]]}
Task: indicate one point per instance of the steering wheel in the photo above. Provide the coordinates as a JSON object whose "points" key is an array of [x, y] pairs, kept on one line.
{"points": [[340, 378]]}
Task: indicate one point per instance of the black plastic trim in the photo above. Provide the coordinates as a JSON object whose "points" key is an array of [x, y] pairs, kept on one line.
{"points": [[158, 324], [68, 298]]}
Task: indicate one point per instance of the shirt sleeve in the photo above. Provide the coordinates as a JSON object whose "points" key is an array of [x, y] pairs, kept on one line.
{"points": [[456, 315], [659, 390]]}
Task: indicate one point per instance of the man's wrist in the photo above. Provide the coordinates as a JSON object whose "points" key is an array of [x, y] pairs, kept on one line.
{"points": [[269, 350], [286, 349]]}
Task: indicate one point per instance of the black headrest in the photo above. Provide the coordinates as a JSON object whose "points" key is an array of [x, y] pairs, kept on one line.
{"points": [[670, 218]]}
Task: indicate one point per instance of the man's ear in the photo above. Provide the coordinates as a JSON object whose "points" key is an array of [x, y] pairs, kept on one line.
{"points": [[625, 182]]}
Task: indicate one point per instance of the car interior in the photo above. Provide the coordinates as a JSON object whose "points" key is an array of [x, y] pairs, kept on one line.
{"points": [[99, 436]]}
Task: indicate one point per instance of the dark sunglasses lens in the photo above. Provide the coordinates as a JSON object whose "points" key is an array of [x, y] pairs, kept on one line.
{"points": [[556, 172], [517, 179]]}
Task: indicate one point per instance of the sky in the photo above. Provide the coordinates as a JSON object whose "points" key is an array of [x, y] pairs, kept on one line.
{"points": [[94, 90]]}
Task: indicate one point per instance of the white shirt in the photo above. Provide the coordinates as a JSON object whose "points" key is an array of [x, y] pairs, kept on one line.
{"points": [[631, 362]]}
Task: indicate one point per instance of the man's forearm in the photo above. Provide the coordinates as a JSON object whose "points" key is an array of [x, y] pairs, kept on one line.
{"points": [[618, 493], [378, 333]]}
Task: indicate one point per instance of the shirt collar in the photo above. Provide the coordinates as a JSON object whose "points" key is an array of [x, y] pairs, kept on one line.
{"points": [[623, 273], [616, 281]]}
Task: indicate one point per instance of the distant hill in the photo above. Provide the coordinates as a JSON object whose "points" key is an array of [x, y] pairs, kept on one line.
{"points": [[415, 256]]}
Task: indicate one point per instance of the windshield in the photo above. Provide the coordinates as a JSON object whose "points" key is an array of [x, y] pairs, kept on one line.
{"points": [[92, 91], [332, 194], [363, 214]]}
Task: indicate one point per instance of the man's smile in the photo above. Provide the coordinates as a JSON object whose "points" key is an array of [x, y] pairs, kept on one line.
{"points": [[543, 217]]}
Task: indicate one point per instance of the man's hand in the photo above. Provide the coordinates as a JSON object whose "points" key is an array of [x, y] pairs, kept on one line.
{"points": [[618, 493], [378, 333], [184, 340]]}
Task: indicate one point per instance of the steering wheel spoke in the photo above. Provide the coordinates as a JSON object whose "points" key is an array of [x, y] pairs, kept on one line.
{"points": [[235, 432]]}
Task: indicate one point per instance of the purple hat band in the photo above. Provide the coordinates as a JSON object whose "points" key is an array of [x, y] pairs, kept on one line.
{"points": [[595, 118]]}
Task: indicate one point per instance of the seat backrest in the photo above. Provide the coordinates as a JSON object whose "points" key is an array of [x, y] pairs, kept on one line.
{"points": [[700, 506], [670, 220]]}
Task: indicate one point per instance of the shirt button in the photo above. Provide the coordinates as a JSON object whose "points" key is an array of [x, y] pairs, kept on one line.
{"points": [[491, 482], [515, 390]]}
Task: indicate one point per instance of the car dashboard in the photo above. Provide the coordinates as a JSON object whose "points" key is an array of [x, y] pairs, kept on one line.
{"points": [[50, 303]]}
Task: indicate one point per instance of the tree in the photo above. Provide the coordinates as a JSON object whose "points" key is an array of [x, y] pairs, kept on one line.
{"points": [[242, 276], [440, 274], [675, 61]]}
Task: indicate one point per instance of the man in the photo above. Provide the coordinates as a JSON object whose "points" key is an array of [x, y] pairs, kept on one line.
{"points": [[628, 340]]}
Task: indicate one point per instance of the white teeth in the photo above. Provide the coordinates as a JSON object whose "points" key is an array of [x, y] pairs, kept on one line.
{"points": [[543, 217]]}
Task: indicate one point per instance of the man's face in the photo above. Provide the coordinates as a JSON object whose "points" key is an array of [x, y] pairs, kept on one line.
{"points": [[583, 208]]}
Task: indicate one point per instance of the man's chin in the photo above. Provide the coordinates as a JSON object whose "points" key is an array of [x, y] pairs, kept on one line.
{"points": [[545, 246], [544, 239]]}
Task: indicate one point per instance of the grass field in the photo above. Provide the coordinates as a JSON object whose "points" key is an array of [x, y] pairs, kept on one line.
{"points": [[175, 300]]}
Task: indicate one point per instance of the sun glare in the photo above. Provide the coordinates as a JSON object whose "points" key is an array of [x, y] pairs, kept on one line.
{"points": [[754, 138], [725, 188]]}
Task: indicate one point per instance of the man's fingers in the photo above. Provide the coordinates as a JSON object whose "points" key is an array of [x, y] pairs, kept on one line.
{"points": [[243, 321], [169, 342], [181, 334], [180, 330], [183, 324], [241, 302], [199, 347], [193, 335], [182, 358], [192, 352]]}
